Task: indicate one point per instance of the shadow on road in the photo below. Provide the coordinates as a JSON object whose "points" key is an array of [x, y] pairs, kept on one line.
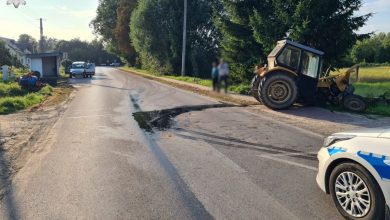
{"points": [[6, 194]]}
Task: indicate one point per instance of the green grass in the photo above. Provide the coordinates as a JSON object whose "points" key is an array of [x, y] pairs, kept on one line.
{"points": [[373, 90], [374, 82], [189, 79], [379, 109], [13, 98], [242, 89], [374, 74]]}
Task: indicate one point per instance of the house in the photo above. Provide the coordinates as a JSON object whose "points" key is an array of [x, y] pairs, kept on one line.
{"points": [[17, 50], [47, 64]]}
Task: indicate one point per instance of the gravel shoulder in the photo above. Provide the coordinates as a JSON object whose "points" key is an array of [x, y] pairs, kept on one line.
{"points": [[21, 132]]}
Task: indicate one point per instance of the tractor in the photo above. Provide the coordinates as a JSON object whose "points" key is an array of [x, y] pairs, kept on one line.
{"points": [[293, 74]]}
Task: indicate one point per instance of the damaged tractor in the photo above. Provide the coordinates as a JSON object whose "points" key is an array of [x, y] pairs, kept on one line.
{"points": [[293, 74]]}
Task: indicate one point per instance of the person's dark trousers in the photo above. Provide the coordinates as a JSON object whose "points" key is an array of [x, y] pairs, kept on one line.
{"points": [[215, 84], [224, 80]]}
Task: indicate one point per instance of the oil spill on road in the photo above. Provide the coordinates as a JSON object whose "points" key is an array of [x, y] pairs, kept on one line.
{"points": [[163, 119]]}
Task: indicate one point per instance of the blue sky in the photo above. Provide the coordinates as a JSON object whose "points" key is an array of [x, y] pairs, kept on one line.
{"points": [[67, 19]]}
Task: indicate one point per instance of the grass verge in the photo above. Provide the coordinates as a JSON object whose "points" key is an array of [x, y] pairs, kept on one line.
{"points": [[13, 98]]}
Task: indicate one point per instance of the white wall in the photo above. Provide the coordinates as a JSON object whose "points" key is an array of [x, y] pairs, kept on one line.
{"points": [[36, 65]]}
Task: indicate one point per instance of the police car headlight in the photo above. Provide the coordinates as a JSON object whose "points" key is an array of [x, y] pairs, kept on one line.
{"points": [[336, 138]]}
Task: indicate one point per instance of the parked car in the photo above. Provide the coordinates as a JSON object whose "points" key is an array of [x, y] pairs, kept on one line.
{"points": [[90, 70], [354, 167], [82, 68]]}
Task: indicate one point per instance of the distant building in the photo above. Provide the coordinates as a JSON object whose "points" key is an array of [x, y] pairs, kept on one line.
{"points": [[17, 50]]}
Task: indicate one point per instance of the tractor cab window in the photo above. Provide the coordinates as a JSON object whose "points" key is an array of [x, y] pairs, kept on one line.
{"points": [[310, 64], [289, 57]]}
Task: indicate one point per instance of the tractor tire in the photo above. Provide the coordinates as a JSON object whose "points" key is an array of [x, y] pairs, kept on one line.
{"points": [[354, 103], [255, 88], [278, 91]]}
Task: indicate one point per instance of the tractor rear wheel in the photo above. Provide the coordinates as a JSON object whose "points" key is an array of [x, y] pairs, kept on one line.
{"points": [[354, 103], [278, 91]]}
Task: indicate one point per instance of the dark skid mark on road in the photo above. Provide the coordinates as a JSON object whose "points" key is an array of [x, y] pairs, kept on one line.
{"points": [[163, 119], [196, 208], [237, 143]]}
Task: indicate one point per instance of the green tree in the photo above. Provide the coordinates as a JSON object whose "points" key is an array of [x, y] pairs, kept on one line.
{"points": [[29, 42], [375, 49], [236, 37], [79, 50], [5, 56], [257, 24], [328, 25], [106, 19], [156, 33], [122, 31]]}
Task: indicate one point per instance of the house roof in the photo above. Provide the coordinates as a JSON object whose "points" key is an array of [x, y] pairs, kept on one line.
{"points": [[22, 48], [42, 55]]}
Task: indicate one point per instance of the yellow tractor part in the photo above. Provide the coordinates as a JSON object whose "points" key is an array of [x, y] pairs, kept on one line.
{"points": [[341, 79]]}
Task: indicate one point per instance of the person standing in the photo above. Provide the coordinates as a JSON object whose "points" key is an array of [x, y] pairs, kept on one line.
{"points": [[215, 76], [223, 74]]}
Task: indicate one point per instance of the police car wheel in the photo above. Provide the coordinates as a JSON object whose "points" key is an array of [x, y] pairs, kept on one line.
{"points": [[356, 193]]}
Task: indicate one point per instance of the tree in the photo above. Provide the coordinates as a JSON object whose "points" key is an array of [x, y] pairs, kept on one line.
{"points": [[86, 51], [237, 43], [28, 42], [249, 29], [5, 56], [372, 50], [122, 31], [49, 44], [328, 25], [106, 19], [156, 32]]}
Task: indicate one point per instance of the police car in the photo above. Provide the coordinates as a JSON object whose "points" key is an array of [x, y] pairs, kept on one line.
{"points": [[354, 167]]}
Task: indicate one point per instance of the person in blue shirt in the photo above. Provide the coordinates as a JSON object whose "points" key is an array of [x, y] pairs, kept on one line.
{"points": [[215, 76]]}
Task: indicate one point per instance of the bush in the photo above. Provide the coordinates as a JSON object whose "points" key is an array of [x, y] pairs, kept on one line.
{"points": [[11, 89]]}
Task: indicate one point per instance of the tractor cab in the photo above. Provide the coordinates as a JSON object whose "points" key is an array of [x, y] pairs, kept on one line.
{"points": [[303, 61], [292, 73]]}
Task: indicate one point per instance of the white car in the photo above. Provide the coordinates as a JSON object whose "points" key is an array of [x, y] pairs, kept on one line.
{"points": [[354, 167], [83, 69]]}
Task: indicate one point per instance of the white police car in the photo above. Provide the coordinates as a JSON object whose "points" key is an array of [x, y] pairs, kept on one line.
{"points": [[354, 167]]}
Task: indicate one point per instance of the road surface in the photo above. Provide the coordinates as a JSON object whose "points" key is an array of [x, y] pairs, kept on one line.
{"points": [[130, 148]]}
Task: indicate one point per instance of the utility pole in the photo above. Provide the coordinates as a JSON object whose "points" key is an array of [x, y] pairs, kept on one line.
{"points": [[183, 58], [41, 49]]}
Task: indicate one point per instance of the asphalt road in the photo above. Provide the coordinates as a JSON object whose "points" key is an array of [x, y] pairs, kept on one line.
{"points": [[181, 156]]}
